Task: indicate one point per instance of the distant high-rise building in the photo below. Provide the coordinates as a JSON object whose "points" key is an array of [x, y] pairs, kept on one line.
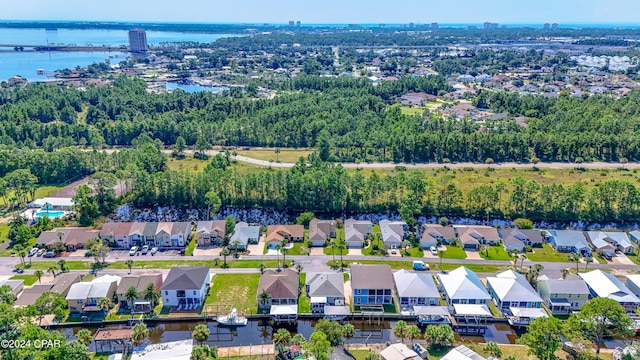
{"points": [[412, 25], [490, 25], [546, 26], [554, 26], [137, 41], [435, 25], [298, 23], [382, 25], [292, 23]]}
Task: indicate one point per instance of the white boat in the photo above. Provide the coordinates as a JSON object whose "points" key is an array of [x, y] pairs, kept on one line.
{"points": [[232, 319]]}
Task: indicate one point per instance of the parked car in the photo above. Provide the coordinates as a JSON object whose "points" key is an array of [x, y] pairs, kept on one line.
{"points": [[393, 252], [49, 254], [434, 250], [133, 251], [145, 249], [420, 265], [182, 251], [41, 251], [33, 251], [154, 251]]}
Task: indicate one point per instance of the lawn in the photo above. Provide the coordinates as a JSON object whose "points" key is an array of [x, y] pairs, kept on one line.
{"points": [[496, 253], [369, 249], [298, 248], [28, 279], [9, 251], [304, 303], [406, 110], [547, 254], [235, 290], [191, 246], [4, 230], [414, 252], [162, 264], [328, 250], [454, 252], [285, 155], [188, 163]]}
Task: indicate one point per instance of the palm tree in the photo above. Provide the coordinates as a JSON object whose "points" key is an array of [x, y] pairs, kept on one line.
{"points": [[298, 339], [225, 252], [575, 257], [341, 246], [265, 297], [262, 267], [129, 264], [84, 337], [278, 247], [201, 333], [565, 272], [586, 262], [235, 244], [281, 338], [63, 265], [52, 269], [60, 235], [413, 333], [523, 257], [104, 304], [152, 294], [440, 255], [131, 295], [38, 274], [284, 252], [139, 333], [21, 251], [401, 329], [277, 151]]}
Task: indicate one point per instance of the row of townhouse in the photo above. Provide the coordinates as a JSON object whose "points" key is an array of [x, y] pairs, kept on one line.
{"points": [[160, 234]]}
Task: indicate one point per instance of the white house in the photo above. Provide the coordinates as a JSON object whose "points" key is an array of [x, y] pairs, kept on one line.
{"points": [[415, 289], [604, 284], [463, 286], [186, 286], [393, 232]]}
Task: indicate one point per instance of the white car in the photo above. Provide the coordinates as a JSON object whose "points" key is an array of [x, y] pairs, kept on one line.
{"points": [[393, 252], [33, 251], [41, 251], [154, 251], [434, 250], [133, 251], [145, 249]]}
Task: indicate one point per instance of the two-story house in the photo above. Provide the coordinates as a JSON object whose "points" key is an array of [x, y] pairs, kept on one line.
{"points": [[603, 284], [140, 283], [509, 289], [117, 234], [210, 233], [278, 288], [186, 287], [84, 296], [415, 289], [325, 289], [463, 286], [372, 285], [563, 296]]}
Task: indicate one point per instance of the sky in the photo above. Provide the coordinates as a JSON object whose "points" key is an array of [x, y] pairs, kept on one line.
{"points": [[329, 11]]}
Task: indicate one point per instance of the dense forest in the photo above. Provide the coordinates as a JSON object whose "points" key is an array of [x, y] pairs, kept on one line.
{"points": [[350, 116]]}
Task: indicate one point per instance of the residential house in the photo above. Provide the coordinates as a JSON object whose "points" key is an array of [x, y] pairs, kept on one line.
{"points": [[393, 232], [325, 289], [463, 286], [320, 231], [569, 241], [243, 235], [140, 283], [510, 289], [16, 286], [72, 238], [606, 243], [563, 296], [84, 296], [634, 235], [399, 351], [434, 234], [415, 289], [186, 286], [210, 233], [180, 234], [462, 353], [473, 235], [372, 285], [356, 231], [281, 286], [278, 234], [602, 284], [60, 284], [117, 234], [633, 283], [517, 239]]}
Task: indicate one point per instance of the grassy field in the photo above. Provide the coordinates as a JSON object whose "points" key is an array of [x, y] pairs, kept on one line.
{"points": [[4, 230], [496, 253], [42, 191], [454, 252], [406, 110], [191, 246], [414, 252], [331, 251], [304, 303], [28, 279], [285, 155], [236, 290], [547, 254]]}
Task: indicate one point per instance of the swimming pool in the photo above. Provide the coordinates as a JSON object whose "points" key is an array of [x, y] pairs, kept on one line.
{"points": [[51, 214]]}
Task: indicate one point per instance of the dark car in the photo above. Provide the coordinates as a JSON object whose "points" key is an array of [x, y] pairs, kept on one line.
{"points": [[49, 254]]}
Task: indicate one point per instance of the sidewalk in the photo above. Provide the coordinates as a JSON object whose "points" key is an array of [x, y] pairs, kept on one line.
{"points": [[254, 350]]}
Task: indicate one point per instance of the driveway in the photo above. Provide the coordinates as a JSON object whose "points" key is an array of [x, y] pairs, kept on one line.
{"points": [[473, 255], [317, 251], [355, 251], [622, 260], [207, 251], [348, 292]]}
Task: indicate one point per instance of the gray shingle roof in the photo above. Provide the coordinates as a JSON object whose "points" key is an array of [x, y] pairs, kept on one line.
{"points": [[186, 278], [371, 277]]}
